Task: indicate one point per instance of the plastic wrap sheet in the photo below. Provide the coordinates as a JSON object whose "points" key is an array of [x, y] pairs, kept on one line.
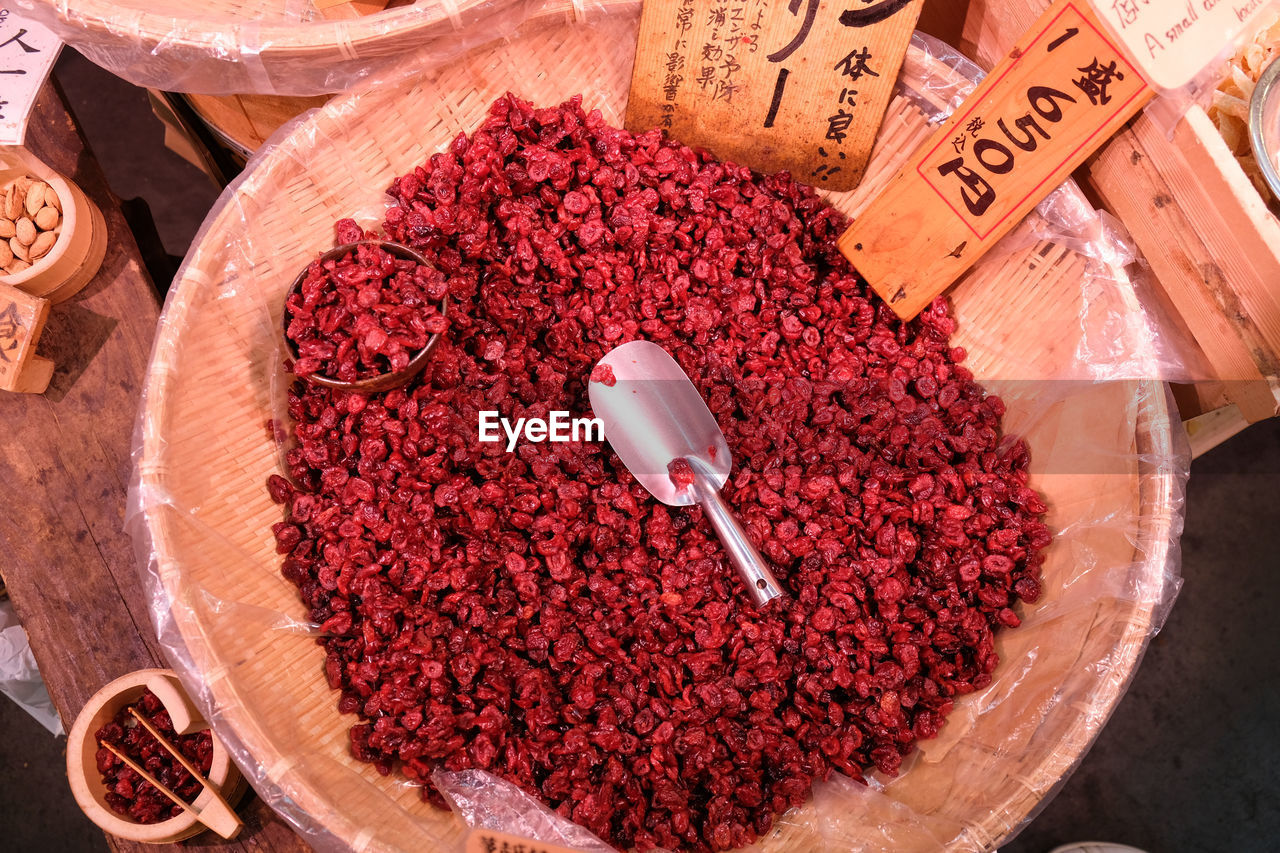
{"points": [[1106, 453], [20, 677], [277, 47]]}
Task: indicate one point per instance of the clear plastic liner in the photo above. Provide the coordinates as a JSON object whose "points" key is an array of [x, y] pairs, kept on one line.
{"points": [[20, 676], [1087, 394], [276, 47], [486, 802]]}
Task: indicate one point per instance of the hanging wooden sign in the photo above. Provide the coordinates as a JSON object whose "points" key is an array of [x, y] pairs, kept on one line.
{"points": [[1062, 91], [800, 86]]}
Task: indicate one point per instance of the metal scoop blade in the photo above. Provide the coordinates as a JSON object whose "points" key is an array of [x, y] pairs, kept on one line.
{"points": [[660, 427]]}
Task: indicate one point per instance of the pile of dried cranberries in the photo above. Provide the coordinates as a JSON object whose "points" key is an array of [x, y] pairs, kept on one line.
{"points": [[128, 794], [537, 614], [364, 313]]}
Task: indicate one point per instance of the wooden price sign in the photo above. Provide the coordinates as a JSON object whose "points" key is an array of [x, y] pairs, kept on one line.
{"points": [[1062, 91], [22, 319], [799, 85]]}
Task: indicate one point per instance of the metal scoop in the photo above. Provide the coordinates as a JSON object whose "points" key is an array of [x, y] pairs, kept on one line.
{"points": [[657, 423]]}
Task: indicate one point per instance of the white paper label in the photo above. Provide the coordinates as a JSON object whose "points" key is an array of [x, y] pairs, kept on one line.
{"points": [[1174, 40], [27, 53]]}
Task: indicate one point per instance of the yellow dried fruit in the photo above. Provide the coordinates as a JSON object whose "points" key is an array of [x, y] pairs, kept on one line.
{"points": [[1230, 107]]}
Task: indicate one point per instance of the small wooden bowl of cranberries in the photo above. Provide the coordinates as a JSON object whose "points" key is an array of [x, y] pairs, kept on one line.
{"points": [[117, 798], [365, 316]]}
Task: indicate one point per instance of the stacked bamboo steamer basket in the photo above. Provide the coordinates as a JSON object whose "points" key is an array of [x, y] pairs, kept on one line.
{"points": [[1102, 455], [262, 46]]}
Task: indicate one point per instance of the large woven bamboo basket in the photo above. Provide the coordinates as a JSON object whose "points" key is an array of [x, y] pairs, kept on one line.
{"points": [[1101, 455], [272, 47]]}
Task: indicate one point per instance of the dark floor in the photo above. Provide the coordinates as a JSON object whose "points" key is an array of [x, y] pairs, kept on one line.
{"points": [[1188, 762]]}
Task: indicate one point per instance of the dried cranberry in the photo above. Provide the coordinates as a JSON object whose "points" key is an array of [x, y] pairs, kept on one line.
{"points": [[362, 314], [538, 614], [128, 794]]}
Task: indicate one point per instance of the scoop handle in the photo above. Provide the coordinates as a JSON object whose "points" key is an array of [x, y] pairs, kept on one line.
{"points": [[761, 585]]}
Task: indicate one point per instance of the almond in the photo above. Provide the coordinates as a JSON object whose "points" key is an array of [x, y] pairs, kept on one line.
{"points": [[51, 198], [18, 266], [7, 228], [47, 218], [19, 249], [14, 203], [26, 231], [44, 242], [6, 255], [35, 198]]}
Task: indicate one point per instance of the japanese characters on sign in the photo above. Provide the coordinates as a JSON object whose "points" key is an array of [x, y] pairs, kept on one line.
{"points": [[1171, 41], [1059, 94], [489, 841], [799, 85], [27, 53], [12, 332], [995, 140], [22, 319], [490, 844]]}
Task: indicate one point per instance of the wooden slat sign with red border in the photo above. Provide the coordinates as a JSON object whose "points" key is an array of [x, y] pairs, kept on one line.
{"points": [[796, 85], [1062, 91]]}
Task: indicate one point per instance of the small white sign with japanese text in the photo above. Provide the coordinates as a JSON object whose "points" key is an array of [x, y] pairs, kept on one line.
{"points": [[27, 53]]}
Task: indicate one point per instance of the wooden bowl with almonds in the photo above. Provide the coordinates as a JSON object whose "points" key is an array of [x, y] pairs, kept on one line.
{"points": [[52, 237]]}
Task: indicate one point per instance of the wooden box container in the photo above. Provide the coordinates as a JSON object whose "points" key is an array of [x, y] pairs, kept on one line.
{"points": [[1211, 241]]}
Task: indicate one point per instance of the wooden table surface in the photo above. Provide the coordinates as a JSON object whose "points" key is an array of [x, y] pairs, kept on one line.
{"points": [[65, 468]]}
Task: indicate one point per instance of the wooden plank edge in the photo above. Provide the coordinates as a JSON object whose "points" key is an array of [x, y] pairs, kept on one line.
{"points": [[1206, 431], [1126, 179], [1229, 217]]}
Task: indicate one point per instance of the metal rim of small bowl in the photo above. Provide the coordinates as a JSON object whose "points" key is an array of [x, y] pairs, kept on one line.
{"points": [[382, 381], [1265, 93]]}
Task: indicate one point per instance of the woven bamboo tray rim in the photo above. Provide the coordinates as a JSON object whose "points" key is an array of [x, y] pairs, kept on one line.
{"points": [[393, 30], [207, 518]]}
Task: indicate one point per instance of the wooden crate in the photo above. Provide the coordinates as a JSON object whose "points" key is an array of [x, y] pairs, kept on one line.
{"points": [[992, 26], [1214, 246], [1199, 222]]}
